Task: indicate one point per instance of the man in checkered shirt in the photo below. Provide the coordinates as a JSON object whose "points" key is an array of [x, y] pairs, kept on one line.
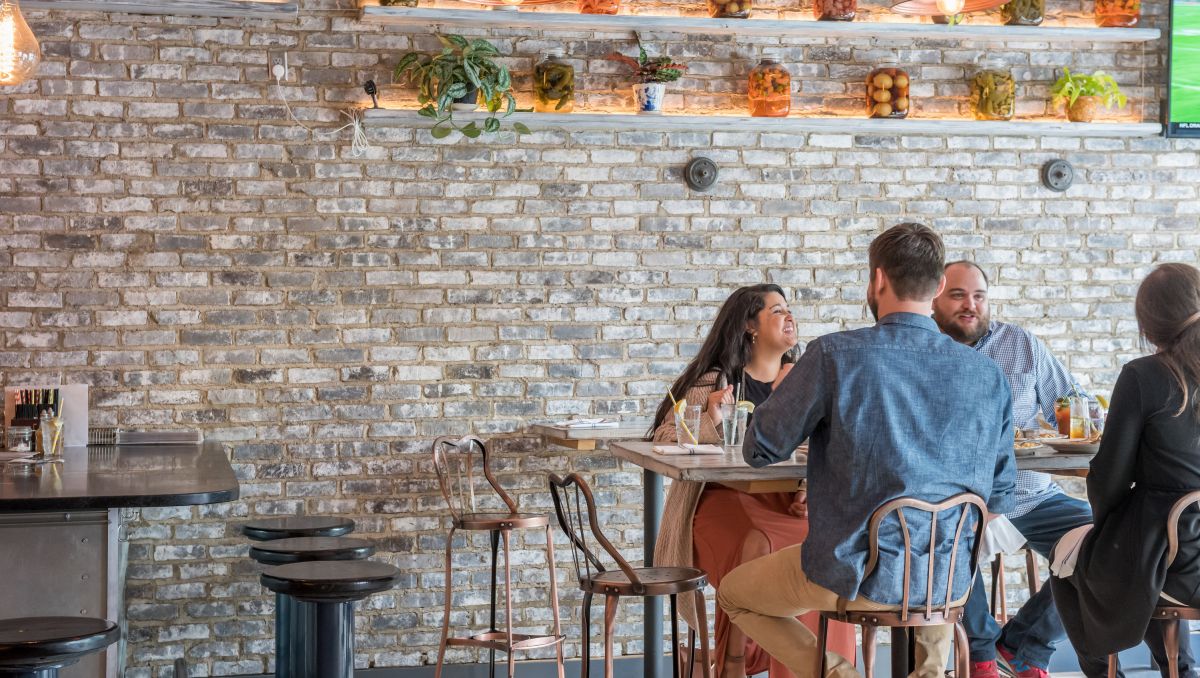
{"points": [[1044, 512]]}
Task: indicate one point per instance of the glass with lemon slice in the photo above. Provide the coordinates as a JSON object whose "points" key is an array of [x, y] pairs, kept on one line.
{"points": [[734, 425]]}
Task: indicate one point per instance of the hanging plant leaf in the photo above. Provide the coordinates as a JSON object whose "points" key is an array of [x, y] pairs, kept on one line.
{"points": [[439, 132], [521, 128], [471, 131], [491, 125]]}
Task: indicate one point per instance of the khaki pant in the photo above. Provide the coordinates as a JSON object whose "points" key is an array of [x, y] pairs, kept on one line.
{"points": [[764, 596]]}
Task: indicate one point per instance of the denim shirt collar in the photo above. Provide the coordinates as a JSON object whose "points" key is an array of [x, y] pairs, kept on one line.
{"points": [[913, 319]]}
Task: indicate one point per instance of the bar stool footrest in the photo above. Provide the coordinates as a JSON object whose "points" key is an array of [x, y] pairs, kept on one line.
{"points": [[498, 640]]}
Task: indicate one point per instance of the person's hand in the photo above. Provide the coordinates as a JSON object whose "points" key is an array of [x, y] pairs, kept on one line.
{"points": [[721, 395], [799, 505], [783, 372]]}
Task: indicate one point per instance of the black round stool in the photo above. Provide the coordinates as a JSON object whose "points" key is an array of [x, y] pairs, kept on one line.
{"points": [[269, 529], [37, 647], [293, 616], [332, 586]]}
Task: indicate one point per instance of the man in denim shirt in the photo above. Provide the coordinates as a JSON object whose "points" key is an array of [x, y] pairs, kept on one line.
{"points": [[898, 409]]}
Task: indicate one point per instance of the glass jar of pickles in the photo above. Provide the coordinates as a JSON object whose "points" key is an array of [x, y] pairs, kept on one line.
{"points": [[887, 92], [599, 6], [729, 9], [553, 84], [1023, 12], [993, 91], [835, 10], [770, 90], [1118, 13]]}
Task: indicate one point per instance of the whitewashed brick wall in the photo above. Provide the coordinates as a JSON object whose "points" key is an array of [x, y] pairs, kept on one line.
{"points": [[169, 236]]}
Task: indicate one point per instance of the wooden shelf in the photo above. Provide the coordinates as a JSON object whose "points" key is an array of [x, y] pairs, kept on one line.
{"points": [[530, 18], [619, 122], [234, 8]]}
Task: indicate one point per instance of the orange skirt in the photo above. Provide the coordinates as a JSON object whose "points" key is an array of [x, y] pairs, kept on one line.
{"points": [[723, 517]]}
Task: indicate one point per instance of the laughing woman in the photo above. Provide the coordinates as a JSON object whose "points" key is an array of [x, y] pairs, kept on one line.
{"points": [[716, 528]]}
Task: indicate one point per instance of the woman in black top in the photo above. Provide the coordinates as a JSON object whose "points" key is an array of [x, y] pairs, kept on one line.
{"points": [[1149, 458]]}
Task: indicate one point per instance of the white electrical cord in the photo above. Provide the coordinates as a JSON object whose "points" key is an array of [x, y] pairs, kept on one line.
{"points": [[358, 143]]}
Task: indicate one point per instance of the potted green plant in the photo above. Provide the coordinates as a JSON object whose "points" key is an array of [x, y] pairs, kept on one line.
{"points": [[1083, 93], [464, 72], [652, 75]]}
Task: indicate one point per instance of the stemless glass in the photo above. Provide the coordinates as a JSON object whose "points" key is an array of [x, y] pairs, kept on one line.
{"points": [[733, 424], [1081, 423], [687, 425]]}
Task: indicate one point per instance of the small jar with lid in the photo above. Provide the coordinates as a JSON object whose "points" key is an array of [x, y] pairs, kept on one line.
{"points": [[1118, 13], [769, 90], [553, 84], [993, 91], [835, 10], [729, 9], [18, 439], [1023, 12], [887, 92]]}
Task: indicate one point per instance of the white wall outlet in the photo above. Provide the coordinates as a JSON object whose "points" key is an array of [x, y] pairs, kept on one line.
{"points": [[277, 65]]}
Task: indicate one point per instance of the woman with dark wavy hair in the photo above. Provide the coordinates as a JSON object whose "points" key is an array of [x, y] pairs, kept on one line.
{"points": [[717, 528], [1149, 458]]}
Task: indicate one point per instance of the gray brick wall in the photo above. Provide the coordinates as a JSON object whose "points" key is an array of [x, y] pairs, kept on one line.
{"points": [[169, 236]]}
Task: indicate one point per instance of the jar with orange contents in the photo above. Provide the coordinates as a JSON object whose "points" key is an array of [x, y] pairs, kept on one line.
{"points": [[1118, 13], [599, 6], [770, 90], [887, 92]]}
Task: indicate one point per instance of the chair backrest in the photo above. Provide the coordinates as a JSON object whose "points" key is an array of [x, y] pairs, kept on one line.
{"points": [[1177, 510], [965, 500], [459, 464], [576, 510]]}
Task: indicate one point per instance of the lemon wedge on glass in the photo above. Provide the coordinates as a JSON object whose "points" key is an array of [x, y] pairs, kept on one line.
{"points": [[745, 405], [681, 405], [1102, 400]]}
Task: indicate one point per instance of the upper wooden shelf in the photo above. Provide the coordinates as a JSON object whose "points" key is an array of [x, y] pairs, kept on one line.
{"points": [[384, 117], [528, 18], [235, 8]]}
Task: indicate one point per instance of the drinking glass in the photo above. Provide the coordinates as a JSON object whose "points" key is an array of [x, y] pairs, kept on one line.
{"points": [[1080, 422], [687, 425], [733, 424]]}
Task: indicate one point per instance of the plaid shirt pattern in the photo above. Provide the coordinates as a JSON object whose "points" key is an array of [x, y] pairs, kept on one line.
{"points": [[1037, 379]]}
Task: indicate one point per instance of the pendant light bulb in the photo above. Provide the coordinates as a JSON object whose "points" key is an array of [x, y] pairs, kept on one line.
{"points": [[19, 50], [950, 7]]}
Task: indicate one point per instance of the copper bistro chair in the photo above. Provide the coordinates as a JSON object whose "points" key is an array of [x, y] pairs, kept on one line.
{"points": [[906, 616], [572, 502], [458, 476], [1000, 594], [1169, 611]]}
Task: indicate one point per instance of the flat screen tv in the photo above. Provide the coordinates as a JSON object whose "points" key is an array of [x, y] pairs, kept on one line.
{"points": [[1183, 86]]}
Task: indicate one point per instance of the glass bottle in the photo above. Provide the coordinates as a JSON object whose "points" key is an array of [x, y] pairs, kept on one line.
{"points": [[1118, 13], [553, 84], [729, 9], [1023, 12], [835, 10], [769, 90], [993, 91], [887, 92]]}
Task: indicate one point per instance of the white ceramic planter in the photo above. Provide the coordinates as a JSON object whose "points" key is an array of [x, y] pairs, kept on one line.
{"points": [[649, 97]]}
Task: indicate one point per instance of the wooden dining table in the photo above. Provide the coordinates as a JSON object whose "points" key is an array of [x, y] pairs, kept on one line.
{"points": [[731, 470]]}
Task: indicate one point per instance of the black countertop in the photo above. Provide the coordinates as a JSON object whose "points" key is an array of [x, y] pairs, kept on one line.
{"points": [[122, 476]]}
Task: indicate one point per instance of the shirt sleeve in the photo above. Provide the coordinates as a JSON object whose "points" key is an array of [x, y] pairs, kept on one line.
{"points": [[1004, 480], [1110, 479], [1053, 380], [791, 413]]}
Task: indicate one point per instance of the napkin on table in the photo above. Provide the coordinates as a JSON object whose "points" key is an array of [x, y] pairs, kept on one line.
{"points": [[588, 423], [688, 449]]}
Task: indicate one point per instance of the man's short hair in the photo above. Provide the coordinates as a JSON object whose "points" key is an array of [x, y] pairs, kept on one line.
{"points": [[968, 262], [912, 257]]}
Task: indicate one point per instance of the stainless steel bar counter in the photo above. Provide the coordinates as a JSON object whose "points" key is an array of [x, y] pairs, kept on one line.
{"points": [[62, 527]]}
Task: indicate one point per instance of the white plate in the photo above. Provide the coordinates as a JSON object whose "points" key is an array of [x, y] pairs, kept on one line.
{"points": [[1073, 446]]}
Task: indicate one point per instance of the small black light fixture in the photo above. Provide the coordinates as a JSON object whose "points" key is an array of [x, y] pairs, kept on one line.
{"points": [[1058, 175], [700, 174], [372, 90]]}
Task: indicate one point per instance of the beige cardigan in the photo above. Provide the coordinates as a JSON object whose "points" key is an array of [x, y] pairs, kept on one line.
{"points": [[674, 546]]}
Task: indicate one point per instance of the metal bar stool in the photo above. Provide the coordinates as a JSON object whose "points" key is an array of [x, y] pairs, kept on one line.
{"points": [[37, 647], [332, 586], [457, 475], [1000, 593], [293, 616], [950, 612], [268, 529], [623, 581]]}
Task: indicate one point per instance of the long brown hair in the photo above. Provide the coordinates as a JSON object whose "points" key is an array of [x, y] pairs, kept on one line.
{"points": [[1168, 316], [727, 347]]}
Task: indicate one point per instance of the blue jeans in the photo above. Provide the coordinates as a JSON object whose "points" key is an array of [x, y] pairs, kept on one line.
{"points": [[1036, 628]]}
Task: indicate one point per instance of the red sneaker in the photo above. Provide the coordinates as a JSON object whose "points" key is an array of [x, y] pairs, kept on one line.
{"points": [[1017, 668], [985, 669]]}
